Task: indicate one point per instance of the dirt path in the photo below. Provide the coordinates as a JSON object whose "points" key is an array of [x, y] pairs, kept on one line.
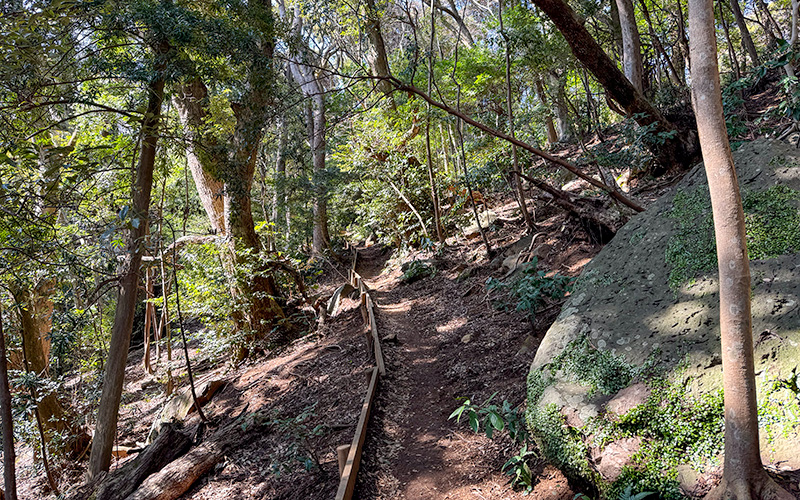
{"points": [[413, 451]]}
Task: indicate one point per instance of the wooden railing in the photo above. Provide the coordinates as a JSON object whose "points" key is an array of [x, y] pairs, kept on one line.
{"points": [[348, 467]]}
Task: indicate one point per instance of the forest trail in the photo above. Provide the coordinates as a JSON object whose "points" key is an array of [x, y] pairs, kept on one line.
{"points": [[413, 451]]}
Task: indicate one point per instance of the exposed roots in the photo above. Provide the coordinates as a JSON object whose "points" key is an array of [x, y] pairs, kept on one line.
{"points": [[762, 487]]}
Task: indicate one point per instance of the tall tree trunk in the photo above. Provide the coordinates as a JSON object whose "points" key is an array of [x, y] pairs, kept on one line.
{"points": [[49, 407], [114, 377], [9, 455], [223, 171], [321, 239], [279, 198], [683, 41], [516, 182], [437, 219], [616, 32], [731, 49], [679, 151], [302, 70], [743, 477], [550, 128], [747, 40], [560, 111], [378, 59], [631, 44]]}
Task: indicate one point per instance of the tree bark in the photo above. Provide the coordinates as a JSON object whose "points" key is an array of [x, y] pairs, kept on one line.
{"points": [[731, 49], [114, 377], [437, 219], [743, 474], [679, 149], [49, 407], [9, 455], [550, 128], [223, 171], [516, 183], [378, 60], [310, 85], [747, 40], [631, 44], [279, 199], [560, 110]]}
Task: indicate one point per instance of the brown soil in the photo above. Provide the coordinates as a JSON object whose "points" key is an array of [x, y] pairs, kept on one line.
{"points": [[451, 343]]}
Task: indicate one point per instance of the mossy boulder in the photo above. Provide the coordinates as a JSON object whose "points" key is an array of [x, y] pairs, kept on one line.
{"points": [[646, 311]]}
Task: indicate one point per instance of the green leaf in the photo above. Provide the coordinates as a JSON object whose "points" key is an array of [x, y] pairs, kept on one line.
{"points": [[473, 421], [496, 421]]}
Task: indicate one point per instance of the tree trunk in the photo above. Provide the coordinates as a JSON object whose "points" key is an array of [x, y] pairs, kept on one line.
{"points": [[747, 40], [50, 408], [321, 238], [560, 110], [677, 151], [731, 49], [616, 32], [437, 219], [516, 183], [302, 72], [114, 377], [743, 474], [9, 455], [378, 59], [223, 171], [683, 41], [631, 44], [550, 128], [279, 199], [674, 77]]}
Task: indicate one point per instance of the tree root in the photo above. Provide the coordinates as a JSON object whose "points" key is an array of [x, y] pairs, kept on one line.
{"points": [[760, 487]]}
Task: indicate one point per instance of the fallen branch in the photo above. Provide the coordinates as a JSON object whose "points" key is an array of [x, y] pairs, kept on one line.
{"points": [[612, 191]]}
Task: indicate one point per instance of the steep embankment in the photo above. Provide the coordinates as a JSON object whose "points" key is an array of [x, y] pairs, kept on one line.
{"points": [[633, 366]]}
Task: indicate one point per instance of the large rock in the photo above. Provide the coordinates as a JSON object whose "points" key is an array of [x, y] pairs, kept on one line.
{"points": [[624, 324]]}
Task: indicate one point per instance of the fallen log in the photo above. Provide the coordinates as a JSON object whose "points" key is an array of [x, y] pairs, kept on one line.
{"points": [[118, 484], [176, 478], [168, 446]]}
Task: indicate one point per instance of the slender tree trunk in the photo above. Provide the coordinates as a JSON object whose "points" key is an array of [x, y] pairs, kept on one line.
{"points": [[33, 350], [114, 377], [560, 110], [677, 152], [616, 32], [744, 477], [683, 41], [550, 128], [378, 60], [321, 238], [631, 44], [673, 74], [747, 40], [731, 49], [9, 455], [437, 219], [516, 182], [279, 199]]}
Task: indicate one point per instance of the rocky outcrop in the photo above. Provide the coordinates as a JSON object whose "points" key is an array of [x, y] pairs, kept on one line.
{"points": [[636, 352]]}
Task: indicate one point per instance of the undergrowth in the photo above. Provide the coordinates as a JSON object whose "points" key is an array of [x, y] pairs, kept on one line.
{"points": [[674, 428]]}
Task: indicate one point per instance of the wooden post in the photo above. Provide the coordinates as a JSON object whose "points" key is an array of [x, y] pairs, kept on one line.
{"points": [[341, 455]]}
